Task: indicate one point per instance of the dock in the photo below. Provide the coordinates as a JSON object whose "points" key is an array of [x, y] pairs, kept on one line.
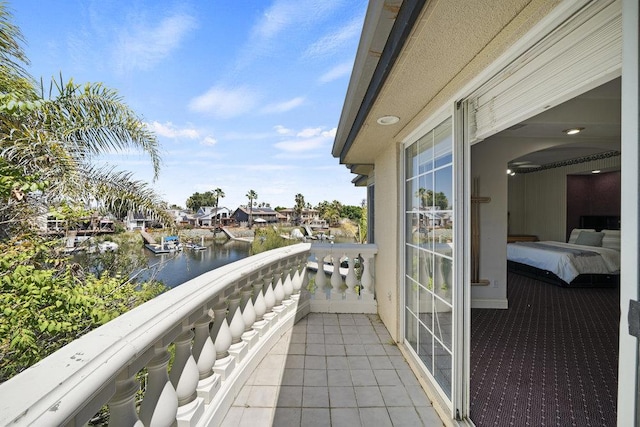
{"points": [[231, 236]]}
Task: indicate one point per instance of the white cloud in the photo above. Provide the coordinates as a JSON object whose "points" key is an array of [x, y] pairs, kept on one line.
{"points": [[169, 130], [309, 132], [283, 107], [331, 133], [208, 140], [282, 130], [141, 47], [298, 145], [334, 41], [336, 72], [284, 16], [225, 102]]}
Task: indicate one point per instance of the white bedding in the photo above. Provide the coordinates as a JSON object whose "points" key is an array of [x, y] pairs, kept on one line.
{"points": [[567, 266]]}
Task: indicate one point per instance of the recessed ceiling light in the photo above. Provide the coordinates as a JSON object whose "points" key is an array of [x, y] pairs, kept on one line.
{"points": [[388, 120], [509, 171], [573, 131], [595, 171]]}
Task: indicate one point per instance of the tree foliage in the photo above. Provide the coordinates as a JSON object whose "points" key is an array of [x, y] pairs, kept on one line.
{"points": [[429, 199], [198, 200], [49, 146], [48, 301], [251, 195]]}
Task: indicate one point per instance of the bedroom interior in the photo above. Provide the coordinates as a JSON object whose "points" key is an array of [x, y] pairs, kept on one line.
{"points": [[552, 354]]}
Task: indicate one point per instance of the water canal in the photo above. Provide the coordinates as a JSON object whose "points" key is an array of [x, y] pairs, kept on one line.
{"points": [[173, 269]]}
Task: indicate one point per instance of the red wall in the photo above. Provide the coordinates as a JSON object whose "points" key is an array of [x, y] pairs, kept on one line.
{"points": [[595, 194]]}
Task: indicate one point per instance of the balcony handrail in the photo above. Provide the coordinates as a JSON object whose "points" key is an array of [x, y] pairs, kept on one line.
{"points": [[221, 322], [72, 384]]}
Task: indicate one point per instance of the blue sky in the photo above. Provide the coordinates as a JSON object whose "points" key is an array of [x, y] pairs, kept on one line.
{"points": [[243, 95]]}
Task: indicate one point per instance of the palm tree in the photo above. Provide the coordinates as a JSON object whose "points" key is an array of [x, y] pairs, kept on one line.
{"points": [[48, 144], [217, 194], [299, 206], [251, 195]]}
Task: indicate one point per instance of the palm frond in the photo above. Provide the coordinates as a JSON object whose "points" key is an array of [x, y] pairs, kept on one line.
{"points": [[93, 120]]}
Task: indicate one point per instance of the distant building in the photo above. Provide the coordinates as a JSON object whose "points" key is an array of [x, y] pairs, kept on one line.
{"points": [[263, 214], [209, 216], [307, 216]]}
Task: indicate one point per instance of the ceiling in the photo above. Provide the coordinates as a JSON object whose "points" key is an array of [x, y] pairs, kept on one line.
{"points": [[597, 111]]}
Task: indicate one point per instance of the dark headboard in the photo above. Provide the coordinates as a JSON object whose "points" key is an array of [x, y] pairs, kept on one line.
{"points": [[599, 222]]}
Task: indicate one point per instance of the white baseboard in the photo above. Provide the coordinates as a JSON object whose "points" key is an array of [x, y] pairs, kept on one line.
{"points": [[502, 304]]}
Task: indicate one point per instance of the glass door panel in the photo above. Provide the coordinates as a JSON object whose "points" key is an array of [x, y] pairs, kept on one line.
{"points": [[429, 261]]}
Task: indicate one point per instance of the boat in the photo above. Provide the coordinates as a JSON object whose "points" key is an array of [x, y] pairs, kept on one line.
{"points": [[194, 246], [167, 244]]}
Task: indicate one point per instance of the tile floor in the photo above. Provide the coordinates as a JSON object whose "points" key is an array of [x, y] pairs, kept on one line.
{"points": [[333, 370]]}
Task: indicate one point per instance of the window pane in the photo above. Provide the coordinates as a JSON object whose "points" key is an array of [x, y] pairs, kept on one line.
{"points": [[443, 276], [412, 195], [442, 323], [411, 293], [443, 143], [412, 264], [411, 160], [443, 233], [411, 330], [425, 347], [425, 150], [442, 368]]}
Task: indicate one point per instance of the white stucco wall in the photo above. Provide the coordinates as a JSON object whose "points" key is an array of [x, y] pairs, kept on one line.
{"points": [[387, 224]]}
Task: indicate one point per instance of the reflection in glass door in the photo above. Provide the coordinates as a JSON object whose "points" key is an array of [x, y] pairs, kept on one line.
{"points": [[428, 254]]}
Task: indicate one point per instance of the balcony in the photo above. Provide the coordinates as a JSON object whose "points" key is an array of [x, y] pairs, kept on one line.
{"points": [[225, 329]]}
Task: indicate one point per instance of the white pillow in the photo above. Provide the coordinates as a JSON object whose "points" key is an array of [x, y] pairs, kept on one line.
{"points": [[611, 239], [576, 232]]}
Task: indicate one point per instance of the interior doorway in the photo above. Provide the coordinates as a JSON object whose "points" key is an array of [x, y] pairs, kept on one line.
{"points": [[551, 357]]}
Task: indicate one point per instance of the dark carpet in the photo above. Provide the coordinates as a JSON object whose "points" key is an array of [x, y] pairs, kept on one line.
{"points": [[551, 359]]}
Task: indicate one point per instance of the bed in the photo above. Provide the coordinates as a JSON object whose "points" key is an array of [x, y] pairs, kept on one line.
{"points": [[588, 259]]}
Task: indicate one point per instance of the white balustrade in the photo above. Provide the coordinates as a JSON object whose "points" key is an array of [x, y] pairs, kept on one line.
{"points": [[352, 287], [221, 324]]}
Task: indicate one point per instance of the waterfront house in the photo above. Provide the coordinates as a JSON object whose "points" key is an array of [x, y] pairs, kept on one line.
{"points": [[269, 215], [471, 99], [306, 216], [208, 216]]}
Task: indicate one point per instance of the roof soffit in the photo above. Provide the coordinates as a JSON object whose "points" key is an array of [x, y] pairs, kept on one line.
{"points": [[451, 43]]}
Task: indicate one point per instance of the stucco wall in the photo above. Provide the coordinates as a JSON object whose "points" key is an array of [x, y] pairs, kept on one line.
{"points": [[387, 219]]}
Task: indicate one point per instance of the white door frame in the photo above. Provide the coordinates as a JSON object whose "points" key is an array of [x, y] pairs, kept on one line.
{"points": [[628, 350]]}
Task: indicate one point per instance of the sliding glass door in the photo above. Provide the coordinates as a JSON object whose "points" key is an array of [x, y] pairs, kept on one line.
{"points": [[428, 252]]}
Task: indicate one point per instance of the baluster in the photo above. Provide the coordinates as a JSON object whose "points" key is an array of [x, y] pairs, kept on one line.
{"points": [[287, 286], [184, 373], [296, 282], [336, 278], [122, 406], [278, 289], [248, 312], [269, 299], [185, 376], [321, 279], [160, 404], [288, 282], [351, 279], [248, 316], [260, 306], [221, 336], [238, 349], [205, 354], [304, 272], [367, 279]]}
